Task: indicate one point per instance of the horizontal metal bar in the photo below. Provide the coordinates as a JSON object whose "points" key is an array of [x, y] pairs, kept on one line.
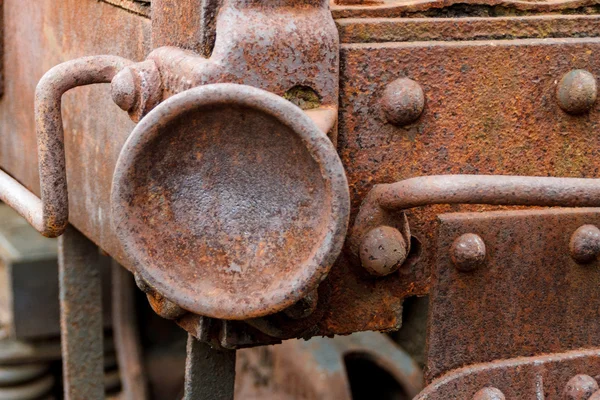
{"points": [[16, 196], [489, 189]]}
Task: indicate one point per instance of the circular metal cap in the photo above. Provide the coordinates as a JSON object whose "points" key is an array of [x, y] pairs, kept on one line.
{"points": [[230, 202]]}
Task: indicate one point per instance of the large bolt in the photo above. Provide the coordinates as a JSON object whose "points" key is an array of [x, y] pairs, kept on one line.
{"points": [[468, 252], [580, 387], [403, 101], [585, 244], [137, 89], [577, 91], [489, 393], [383, 250]]}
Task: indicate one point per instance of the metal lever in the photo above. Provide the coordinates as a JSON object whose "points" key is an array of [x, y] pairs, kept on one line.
{"points": [[383, 203], [50, 214]]}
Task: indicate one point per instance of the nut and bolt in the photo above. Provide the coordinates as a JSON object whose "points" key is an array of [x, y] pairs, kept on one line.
{"points": [[468, 252], [137, 89], [403, 101], [489, 393], [383, 250], [576, 92], [580, 387], [584, 245]]}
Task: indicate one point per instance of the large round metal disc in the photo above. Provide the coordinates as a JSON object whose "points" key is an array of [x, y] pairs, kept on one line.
{"points": [[230, 202]]}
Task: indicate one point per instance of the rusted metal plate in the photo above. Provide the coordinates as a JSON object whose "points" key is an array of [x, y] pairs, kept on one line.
{"points": [[489, 105], [373, 30], [454, 8], [527, 297], [543, 377]]}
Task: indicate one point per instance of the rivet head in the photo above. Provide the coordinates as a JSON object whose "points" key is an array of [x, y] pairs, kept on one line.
{"points": [[468, 252], [123, 89], [585, 244], [576, 92], [403, 101], [580, 387], [383, 250], [489, 393]]}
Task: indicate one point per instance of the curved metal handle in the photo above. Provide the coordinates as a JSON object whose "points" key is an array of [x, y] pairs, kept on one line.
{"points": [[50, 214], [380, 207]]}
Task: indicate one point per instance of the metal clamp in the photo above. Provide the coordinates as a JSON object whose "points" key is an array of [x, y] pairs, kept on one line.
{"points": [[384, 205], [50, 214]]}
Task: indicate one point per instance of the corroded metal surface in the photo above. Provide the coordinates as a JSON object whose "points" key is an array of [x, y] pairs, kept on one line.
{"points": [[528, 291], [81, 317], [361, 30], [402, 8], [209, 373], [230, 222], [489, 105], [543, 377]]}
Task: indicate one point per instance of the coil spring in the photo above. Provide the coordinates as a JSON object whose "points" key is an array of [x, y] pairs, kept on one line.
{"points": [[26, 382]]}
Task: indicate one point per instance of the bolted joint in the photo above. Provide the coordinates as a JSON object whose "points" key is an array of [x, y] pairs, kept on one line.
{"points": [[577, 91], [584, 245], [468, 252], [580, 387], [403, 101], [383, 250], [137, 89]]}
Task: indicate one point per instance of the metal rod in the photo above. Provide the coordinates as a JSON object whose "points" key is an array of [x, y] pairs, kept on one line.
{"points": [[209, 373], [126, 335], [81, 317], [489, 189], [49, 216]]}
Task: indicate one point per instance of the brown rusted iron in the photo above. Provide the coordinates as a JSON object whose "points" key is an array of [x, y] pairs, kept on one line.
{"points": [[585, 244], [528, 297], [551, 376], [469, 189], [577, 91], [468, 252], [216, 224], [403, 101]]}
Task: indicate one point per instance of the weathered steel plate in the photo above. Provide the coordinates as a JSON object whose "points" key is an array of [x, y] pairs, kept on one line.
{"points": [[539, 378], [489, 109], [529, 297]]}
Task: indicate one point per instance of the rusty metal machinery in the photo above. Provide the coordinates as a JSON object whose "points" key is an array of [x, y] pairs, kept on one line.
{"points": [[279, 169]]}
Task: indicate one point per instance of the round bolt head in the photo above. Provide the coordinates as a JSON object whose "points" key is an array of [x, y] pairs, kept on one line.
{"points": [[383, 250], [123, 89], [489, 393], [403, 101], [585, 244], [577, 91], [468, 252], [580, 387]]}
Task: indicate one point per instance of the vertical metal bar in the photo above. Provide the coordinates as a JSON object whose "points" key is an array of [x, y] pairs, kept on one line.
{"points": [[209, 373], [81, 317], [126, 334]]}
